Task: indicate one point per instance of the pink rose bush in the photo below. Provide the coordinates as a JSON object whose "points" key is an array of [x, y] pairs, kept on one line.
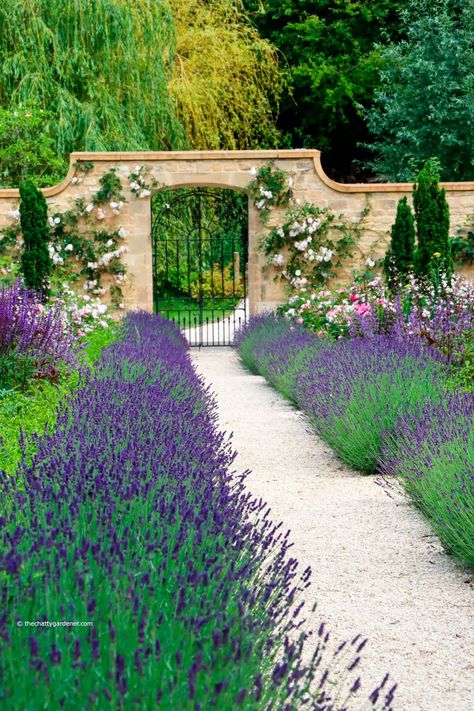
{"points": [[440, 315]]}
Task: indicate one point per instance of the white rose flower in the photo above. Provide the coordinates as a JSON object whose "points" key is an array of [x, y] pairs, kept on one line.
{"points": [[69, 248], [51, 222], [370, 263], [144, 194], [109, 243], [89, 207], [102, 308], [100, 214], [114, 205], [278, 260], [75, 180], [134, 186], [253, 171], [122, 233], [121, 306], [298, 272]]}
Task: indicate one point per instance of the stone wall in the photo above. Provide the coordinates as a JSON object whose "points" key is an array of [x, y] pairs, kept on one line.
{"points": [[231, 169]]}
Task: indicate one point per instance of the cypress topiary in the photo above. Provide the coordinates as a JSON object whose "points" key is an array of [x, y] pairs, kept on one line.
{"points": [[36, 264], [433, 254], [399, 257]]}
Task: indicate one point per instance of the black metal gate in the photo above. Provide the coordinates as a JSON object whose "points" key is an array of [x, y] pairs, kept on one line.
{"points": [[200, 261]]}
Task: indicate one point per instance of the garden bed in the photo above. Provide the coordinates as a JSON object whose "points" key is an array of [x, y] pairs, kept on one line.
{"points": [[133, 523], [385, 405]]}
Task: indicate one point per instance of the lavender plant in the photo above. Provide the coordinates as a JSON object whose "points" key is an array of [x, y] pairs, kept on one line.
{"points": [[35, 341], [433, 453], [383, 404], [130, 517]]}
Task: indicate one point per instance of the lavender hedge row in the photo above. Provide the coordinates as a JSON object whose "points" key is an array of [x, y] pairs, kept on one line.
{"points": [[383, 405], [130, 516]]}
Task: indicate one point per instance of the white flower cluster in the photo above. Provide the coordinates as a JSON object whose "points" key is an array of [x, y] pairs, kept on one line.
{"points": [[277, 260], [101, 214], [265, 195], [120, 278], [55, 256], [105, 259], [85, 313], [307, 226], [138, 186], [15, 214], [324, 255]]}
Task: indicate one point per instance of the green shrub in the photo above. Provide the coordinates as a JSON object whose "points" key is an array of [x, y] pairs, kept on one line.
{"points": [[27, 149], [399, 257], [433, 253], [219, 282], [36, 264], [34, 411]]}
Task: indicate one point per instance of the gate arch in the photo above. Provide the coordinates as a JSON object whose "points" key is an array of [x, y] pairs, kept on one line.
{"points": [[200, 255]]}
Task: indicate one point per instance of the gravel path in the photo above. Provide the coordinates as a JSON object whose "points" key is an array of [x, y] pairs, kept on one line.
{"points": [[377, 569]]}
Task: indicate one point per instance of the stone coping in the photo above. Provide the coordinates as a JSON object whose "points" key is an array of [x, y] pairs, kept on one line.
{"points": [[158, 156]]}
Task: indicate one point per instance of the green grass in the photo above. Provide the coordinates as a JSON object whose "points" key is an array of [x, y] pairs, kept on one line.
{"points": [[183, 310], [34, 411]]}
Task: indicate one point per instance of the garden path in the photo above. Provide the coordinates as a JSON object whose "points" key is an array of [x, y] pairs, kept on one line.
{"points": [[377, 568]]}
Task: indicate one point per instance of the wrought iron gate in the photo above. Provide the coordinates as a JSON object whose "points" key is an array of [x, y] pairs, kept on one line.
{"points": [[199, 262]]}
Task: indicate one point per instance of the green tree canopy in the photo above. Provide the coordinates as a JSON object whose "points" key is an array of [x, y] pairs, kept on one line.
{"points": [[226, 81], [425, 105], [27, 149], [101, 67], [332, 69]]}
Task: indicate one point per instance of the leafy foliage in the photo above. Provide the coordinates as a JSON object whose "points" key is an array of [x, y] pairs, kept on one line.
{"points": [[399, 257], [27, 149], [433, 253], [225, 80], [331, 68], [36, 264], [425, 105], [98, 68], [270, 188], [153, 539], [314, 243], [34, 409], [462, 245], [382, 404]]}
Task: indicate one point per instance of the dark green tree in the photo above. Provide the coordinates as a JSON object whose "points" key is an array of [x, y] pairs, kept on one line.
{"points": [[399, 257], [433, 253], [36, 264], [332, 68], [425, 103]]}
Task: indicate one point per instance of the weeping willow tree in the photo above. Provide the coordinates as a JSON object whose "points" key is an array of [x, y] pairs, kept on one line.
{"points": [[100, 67], [225, 81]]}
